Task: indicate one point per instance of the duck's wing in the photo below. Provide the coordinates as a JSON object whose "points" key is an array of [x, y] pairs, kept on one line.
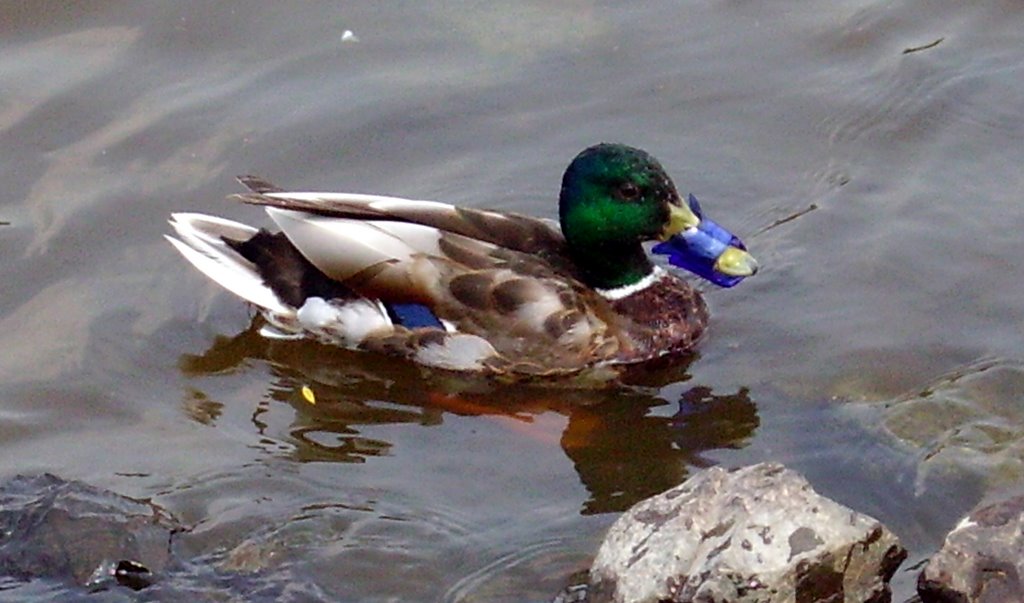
{"points": [[504, 229], [525, 306]]}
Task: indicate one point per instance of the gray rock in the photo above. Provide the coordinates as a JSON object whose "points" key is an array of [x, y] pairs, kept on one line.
{"points": [[982, 560], [71, 531], [759, 533]]}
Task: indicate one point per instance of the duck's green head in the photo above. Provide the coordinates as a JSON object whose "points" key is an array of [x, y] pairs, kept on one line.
{"points": [[615, 197]]}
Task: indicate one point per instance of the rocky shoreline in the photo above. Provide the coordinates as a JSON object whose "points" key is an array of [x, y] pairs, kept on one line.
{"points": [[751, 534]]}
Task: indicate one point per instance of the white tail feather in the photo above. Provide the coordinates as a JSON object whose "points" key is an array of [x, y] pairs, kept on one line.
{"points": [[209, 229], [202, 246]]}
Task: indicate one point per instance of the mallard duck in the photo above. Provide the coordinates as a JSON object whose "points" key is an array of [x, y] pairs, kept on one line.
{"points": [[474, 290]]}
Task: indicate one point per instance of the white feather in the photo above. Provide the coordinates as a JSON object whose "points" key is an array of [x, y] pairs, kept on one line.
{"points": [[378, 202], [344, 323], [396, 204], [393, 205], [272, 332], [457, 352], [209, 229], [535, 312], [201, 245], [341, 247]]}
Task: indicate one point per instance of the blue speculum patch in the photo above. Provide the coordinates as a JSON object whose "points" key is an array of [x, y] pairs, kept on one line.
{"points": [[697, 249], [412, 316]]}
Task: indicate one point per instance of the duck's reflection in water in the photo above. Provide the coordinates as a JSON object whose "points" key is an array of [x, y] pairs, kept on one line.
{"points": [[626, 442]]}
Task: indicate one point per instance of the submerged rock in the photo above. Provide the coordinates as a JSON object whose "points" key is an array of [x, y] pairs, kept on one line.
{"points": [[969, 421], [982, 560], [760, 533], [71, 531]]}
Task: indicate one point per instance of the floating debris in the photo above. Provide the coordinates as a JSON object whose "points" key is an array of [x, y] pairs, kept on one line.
{"points": [[307, 394], [348, 36], [789, 218], [923, 47]]}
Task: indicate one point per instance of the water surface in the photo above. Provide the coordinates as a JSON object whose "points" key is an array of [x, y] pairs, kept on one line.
{"points": [[125, 368]]}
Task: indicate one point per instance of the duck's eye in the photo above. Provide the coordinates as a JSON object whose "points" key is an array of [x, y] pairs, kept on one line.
{"points": [[628, 191]]}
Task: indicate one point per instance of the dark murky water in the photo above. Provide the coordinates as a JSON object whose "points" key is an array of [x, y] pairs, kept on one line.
{"points": [[900, 289]]}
